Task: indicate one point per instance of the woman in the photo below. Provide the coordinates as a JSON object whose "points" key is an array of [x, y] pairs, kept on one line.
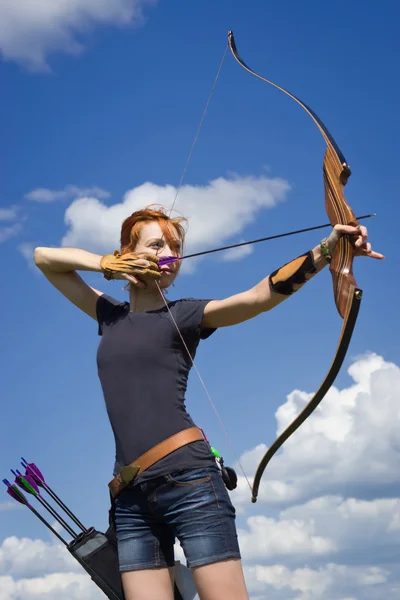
{"points": [[163, 488]]}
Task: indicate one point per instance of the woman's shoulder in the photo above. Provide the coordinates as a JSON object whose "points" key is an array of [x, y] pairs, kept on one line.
{"points": [[189, 300], [106, 302], [189, 313], [108, 309], [188, 304]]}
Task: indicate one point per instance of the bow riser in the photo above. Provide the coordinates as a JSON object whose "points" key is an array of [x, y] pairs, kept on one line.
{"points": [[341, 267]]}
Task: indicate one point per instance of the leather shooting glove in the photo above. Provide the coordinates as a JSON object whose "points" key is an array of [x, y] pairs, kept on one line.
{"points": [[114, 265]]}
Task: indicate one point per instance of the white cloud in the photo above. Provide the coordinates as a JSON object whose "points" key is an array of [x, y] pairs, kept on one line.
{"points": [[267, 538], [234, 254], [8, 214], [216, 212], [70, 192], [316, 545], [352, 525], [8, 506], [26, 249], [30, 30], [63, 586], [8, 232], [24, 557], [349, 443], [329, 582]]}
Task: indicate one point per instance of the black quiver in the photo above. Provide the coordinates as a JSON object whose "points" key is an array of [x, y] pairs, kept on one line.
{"points": [[98, 554]]}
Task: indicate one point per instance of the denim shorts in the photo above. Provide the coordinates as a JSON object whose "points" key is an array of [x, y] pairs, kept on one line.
{"points": [[193, 506]]}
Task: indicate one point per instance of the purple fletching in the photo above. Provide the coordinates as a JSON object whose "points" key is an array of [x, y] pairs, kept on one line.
{"points": [[14, 492], [14, 495], [33, 472], [29, 479]]}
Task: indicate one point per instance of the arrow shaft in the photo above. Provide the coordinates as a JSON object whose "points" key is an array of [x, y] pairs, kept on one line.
{"points": [[39, 516], [18, 496], [58, 518], [65, 508], [167, 260], [28, 484], [34, 472]]}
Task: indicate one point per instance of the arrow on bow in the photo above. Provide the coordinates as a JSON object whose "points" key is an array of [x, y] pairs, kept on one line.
{"points": [[347, 294], [167, 260]]}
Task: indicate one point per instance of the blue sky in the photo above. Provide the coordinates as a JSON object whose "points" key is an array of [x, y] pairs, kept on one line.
{"points": [[123, 111]]}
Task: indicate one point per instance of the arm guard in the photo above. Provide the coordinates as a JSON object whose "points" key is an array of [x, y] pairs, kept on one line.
{"points": [[294, 273]]}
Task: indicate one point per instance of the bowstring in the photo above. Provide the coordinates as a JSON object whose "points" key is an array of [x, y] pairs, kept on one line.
{"points": [[197, 133], [161, 292]]}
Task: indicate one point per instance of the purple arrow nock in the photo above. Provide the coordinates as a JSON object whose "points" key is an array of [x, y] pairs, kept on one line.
{"points": [[33, 472]]}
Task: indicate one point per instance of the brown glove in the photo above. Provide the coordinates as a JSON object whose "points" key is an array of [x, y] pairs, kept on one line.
{"points": [[131, 264]]}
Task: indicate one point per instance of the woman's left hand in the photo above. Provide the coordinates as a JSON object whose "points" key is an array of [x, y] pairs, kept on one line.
{"points": [[359, 237]]}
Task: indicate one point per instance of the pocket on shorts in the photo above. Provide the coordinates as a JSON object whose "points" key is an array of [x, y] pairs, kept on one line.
{"points": [[189, 478]]}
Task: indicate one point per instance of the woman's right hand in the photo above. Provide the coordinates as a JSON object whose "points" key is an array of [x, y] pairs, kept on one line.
{"points": [[131, 266]]}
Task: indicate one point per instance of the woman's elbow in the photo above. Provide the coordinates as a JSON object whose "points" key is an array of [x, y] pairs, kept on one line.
{"points": [[39, 257]]}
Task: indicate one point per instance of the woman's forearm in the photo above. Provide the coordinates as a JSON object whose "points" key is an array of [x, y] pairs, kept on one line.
{"points": [[64, 260], [264, 291]]}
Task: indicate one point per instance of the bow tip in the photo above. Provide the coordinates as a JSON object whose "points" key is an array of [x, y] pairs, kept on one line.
{"points": [[254, 499]]}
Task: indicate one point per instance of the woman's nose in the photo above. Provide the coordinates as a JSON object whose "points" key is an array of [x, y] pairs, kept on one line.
{"points": [[166, 251]]}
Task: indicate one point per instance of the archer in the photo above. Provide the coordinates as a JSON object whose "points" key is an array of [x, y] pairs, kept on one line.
{"points": [[166, 482]]}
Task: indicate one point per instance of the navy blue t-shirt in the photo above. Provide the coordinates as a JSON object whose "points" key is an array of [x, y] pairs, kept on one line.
{"points": [[143, 368]]}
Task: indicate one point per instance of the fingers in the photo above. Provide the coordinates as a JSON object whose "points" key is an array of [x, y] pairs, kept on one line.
{"points": [[376, 255], [364, 248], [142, 264], [367, 251], [360, 231], [360, 236], [153, 258], [142, 258]]}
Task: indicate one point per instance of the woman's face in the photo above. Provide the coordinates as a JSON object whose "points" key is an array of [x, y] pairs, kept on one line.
{"points": [[152, 241]]}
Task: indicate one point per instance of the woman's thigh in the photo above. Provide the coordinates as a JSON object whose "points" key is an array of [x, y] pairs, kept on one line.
{"points": [[199, 511], [221, 581], [144, 540], [194, 506], [148, 584]]}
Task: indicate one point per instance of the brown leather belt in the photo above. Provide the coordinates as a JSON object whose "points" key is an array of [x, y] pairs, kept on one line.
{"points": [[149, 458]]}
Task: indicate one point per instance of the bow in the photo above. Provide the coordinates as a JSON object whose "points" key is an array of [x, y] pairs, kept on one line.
{"points": [[347, 294]]}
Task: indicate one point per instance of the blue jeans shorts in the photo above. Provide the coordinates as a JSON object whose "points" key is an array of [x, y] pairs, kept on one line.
{"points": [[193, 506]]}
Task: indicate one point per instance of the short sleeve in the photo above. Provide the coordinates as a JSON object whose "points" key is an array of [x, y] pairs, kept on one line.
{"points": [[108, 310], [190, 316]]}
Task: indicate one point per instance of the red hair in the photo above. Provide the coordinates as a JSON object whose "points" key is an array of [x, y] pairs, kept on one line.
{"points": [[131, 227]]}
